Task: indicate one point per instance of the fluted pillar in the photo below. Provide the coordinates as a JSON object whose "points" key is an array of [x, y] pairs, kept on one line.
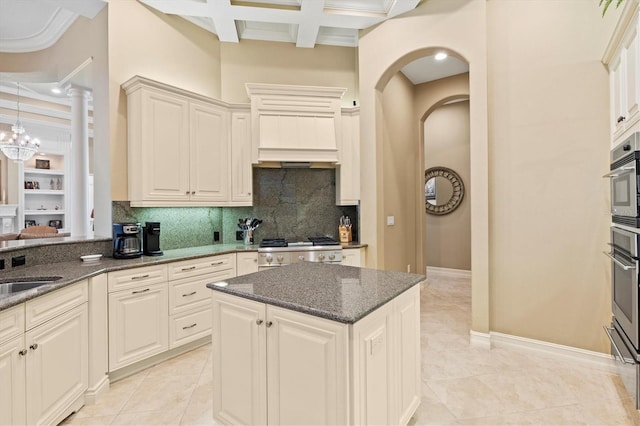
{"points": [[78, 189]]}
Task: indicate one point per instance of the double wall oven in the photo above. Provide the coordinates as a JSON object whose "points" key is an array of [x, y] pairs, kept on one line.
{"points": [[624, 331]]}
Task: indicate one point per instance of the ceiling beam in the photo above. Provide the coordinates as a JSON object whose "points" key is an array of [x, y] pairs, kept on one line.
{"points": [[222, 16], [310, 14]]}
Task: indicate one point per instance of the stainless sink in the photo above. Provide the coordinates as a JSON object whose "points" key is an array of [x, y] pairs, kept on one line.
{"points": [[15, 285]]}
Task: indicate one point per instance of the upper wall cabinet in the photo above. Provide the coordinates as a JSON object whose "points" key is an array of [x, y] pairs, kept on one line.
{"points": [[622, 58], [295, 123], [179, 147], [348, 167]]}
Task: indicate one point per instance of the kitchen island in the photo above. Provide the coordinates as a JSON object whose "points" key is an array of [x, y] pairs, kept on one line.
{"points": [[313, 343]]}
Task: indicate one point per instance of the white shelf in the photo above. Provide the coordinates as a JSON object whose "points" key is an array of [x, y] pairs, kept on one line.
{"points": [[43, 212], [43, 192], [44, 172]]}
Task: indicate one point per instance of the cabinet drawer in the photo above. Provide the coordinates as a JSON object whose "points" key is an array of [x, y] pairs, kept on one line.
{"points": [[136, 277], [204, 265], [53, 304], [12, 322], [189, 294], [190, 326]]}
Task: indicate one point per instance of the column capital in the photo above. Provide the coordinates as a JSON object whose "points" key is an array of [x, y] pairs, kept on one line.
{"points": [[79, 91]]}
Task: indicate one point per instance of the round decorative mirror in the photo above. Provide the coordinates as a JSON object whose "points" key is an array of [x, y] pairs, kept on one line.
{"points": [[443, 190]]}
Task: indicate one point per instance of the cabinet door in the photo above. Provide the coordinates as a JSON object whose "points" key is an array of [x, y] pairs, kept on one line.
{"points": [[406, 314], [209, 180], [352, 257], [57, 362], [307, 369], [12, 382], [239, 366], [241, 169], [630, 43], [246, 262], [618, 94], [348, 170], [159, 148], [138, 324]]}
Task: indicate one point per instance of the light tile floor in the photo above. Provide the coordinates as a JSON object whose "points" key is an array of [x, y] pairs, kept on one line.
{"points": [[461, 384]]}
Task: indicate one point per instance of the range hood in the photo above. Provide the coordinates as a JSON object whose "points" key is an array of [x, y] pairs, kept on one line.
{"points": [[295, 125], [295, 165]]}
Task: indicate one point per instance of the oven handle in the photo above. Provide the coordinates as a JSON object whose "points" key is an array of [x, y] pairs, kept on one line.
{"points": [[617, 262], [619, 172], [615, 347]]}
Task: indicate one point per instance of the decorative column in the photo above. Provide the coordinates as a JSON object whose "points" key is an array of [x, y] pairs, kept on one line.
{"points": [[78, 186]]}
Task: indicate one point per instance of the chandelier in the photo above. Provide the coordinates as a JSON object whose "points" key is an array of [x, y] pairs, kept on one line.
{"points": [[19, 146]]}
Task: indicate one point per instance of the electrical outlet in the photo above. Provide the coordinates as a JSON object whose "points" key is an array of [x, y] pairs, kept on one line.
{"points": [[239, 235], [18, 261]]}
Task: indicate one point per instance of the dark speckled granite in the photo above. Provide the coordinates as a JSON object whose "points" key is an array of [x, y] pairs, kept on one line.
{"points": [[339, 293]]}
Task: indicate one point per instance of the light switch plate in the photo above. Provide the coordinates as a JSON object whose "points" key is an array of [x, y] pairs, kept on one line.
{"points": [[391, 220]]}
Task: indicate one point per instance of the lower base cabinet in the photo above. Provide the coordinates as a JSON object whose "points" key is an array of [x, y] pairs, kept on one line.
{"points": [[284, 389], [44, 367], [276, 366]]}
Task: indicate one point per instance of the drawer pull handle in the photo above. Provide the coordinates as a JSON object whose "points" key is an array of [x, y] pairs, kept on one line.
{"points": [[140, 291], [217, 263], [190, 326], [22, 352], [189, 294], [139, 277], [34, 346], [189, 269]]}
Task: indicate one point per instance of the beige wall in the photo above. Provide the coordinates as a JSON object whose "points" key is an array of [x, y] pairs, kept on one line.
{"points": [[458, 25], [550, 144], [400, 137], [160, 47], [252, 61], [446, 140]]}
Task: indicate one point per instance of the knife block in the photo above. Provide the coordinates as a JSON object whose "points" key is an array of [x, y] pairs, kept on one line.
{"points": [[345, 234]]}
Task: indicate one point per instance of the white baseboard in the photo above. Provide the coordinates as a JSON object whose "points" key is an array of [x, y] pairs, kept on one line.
{"points": [[567, 353], [91, 394], [447, 272], [480, 340]]}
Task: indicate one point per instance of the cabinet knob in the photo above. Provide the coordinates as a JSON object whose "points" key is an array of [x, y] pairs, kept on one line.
{"points": [[269, 324], [193, 192], [22, 352], [34, 346], [259, 321], [187, 192], [621, 119]]}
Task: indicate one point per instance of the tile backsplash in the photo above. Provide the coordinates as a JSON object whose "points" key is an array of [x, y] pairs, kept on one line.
{"points": [[292, 203]]}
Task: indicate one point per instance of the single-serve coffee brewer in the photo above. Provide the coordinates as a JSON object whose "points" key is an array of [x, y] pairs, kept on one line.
{"points": [[127, 240], [151, 240]]}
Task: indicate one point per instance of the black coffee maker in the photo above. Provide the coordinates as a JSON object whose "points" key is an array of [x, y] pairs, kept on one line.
{"points": [[151, 240], [127, 240]]}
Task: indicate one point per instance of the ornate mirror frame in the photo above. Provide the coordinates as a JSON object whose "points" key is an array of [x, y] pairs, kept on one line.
{"points": [[456, 197]]}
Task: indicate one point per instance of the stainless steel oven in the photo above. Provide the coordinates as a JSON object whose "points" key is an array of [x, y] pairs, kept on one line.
{"points": [[624, 177], [624, 282]]}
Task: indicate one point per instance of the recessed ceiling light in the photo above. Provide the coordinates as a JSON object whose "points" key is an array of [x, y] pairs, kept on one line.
{"points": [[441, 56], [56, 90]]}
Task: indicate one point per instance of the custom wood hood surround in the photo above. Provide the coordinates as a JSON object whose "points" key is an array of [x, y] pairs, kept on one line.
{"points": [[295, 123]]}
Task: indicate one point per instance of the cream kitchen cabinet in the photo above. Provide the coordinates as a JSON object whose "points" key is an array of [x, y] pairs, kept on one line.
{"points": [[138, 314], [246, 262], [189, 297], [261, 357], [138, 324], [623, 60], [44, 366], [353, 256], [178, 146], [348, 167], [241, 168]]}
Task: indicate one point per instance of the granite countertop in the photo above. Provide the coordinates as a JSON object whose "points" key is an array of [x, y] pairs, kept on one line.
{"points": [[340, 293], [72, 272]]}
